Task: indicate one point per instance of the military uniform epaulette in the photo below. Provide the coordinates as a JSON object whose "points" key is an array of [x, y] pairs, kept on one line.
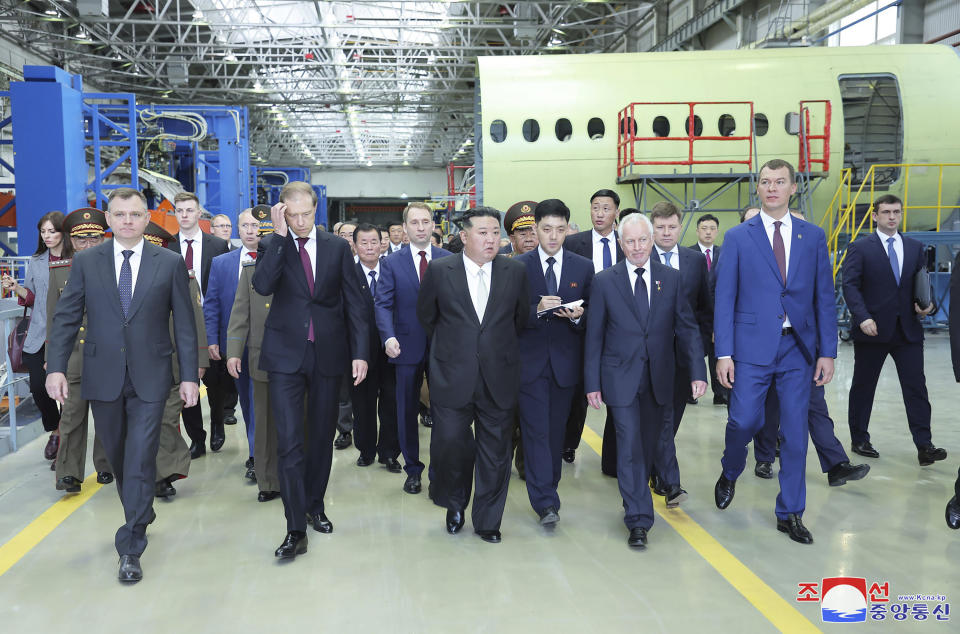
{"points": [[60, 263], [191, 274], [249, 263]]}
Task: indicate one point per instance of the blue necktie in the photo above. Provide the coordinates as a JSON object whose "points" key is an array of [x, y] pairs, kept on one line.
{"points": [[666, 257], [894, 261], [607, 259], [373, 283], [125, 285], [550, 278], [640, 294]]}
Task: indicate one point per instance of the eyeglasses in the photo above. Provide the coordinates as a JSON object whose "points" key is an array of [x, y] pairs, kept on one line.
{"points": [[226, 226]]}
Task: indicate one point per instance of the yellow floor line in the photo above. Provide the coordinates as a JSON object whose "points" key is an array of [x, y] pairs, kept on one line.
{"points": [[38, 529], [775, 608]]}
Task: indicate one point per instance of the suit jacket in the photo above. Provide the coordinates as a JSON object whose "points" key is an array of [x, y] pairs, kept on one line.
{"points": [[751, 299], [212, 246], [715, 251], [582, 244], [336, 305], [871, 290], [556, 342], [221, 291], [140, 344], [695, 281], [621, 353], [954, 318], [396, 304], [377, 353], [248, 317], [461, 347]]}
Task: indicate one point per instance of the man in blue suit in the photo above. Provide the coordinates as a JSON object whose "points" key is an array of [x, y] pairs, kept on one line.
{"points": [[403, 337], [552, 360], [221, 291], [774, 315]]}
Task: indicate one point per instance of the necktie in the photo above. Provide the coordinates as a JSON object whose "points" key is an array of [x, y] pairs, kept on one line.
{"points": [[423, 264], [125, 285], [308, 271], [894, 261], [607, 259], [373, 283], [779, 252], [709, 261], [550, 277], [482, 293], [188, 256], [640, 294], [666, 258], [252, 254]]}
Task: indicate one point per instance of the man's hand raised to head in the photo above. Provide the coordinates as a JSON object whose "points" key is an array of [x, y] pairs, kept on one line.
{"points": [[279, 219]]}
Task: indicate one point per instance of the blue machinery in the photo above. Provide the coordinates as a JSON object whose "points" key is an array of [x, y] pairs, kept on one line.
{"points": [[268, 181]]}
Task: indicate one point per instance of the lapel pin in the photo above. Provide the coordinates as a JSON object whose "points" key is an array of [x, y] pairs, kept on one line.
{"points": [[799, 237], [657, 282], [573, 284]]}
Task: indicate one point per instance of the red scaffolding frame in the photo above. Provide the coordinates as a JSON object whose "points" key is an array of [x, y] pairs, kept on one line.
{"points": [[806, 161]]}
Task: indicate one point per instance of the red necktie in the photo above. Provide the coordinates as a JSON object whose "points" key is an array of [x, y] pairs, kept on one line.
{"points": [[308, 271], [779, 252], [253, 255], [709, 261], [188, 258], [423, 264]]}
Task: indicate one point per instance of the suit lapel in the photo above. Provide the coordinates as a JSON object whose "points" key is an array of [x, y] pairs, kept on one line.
{"points": [[538, 284], [294, 257], [796, 244], [882, 253], [909, 261], [496, 284], [407, 266], [145, 275], [657, 282], [759, 235], [623, 284], [108, 271], [461, 285]]}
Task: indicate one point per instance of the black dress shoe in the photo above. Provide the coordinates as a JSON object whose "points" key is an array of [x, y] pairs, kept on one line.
{"points": [[104, 477], [569, 455], [720, 400], [675, 497], [426, 420], [294, 544], [953, 513], [930, 454], [52, 446], [723, 492], [53, 465], [865, 449], [163, 489], [658, 485], [549, 517], [763, 470], [638, 538], [68, 484], [794, 527], [691, 400], [454, 521], [249, 463], [320, 522], [344, 440], [217, 438], [392, 465], [412, 485], [266, 496], [491, 537], [230, 419], [197, 450], [840, 473], [364, 462], [130, 570]]}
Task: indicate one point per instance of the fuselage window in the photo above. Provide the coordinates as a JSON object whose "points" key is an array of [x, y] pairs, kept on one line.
{"points": [[563, 129], [531, 130], [498, 131], [595, 128], [661, 126]]}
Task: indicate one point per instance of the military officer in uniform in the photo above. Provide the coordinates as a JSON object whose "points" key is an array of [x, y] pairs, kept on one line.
{"points": [[247, 319], [86, 228]]}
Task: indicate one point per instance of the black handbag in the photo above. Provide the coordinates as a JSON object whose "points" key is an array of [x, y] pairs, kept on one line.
{"points": [[15, 343], [922, 292]]}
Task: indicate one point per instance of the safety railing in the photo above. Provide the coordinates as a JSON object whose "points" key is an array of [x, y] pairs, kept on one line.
{"points": [[627, 139], [807, 161]]}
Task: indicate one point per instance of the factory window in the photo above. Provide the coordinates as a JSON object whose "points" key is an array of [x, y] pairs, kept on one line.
{"points": [[628, 127], [872, 125], [498, 131], [595, 128], [726, 125], [697, 125], [531, 130], [760, 124], [563, 129], [661, 126]]}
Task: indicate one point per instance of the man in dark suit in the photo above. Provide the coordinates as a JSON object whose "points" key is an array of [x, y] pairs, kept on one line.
{"points": [[708, 227], [317, 323], [404, 339], [878, 286], [774, 323], [637, 311], [551, 364], [600, 245], [695, 287], [129, 289], [953, 506], [198, 250], [378, 393], [473, 309]]}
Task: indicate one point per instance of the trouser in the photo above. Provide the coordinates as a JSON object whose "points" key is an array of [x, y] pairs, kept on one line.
{"points": [[665, 462], [344, 406], [460, 458], [244, 391], [72, 457], [868, 359], [543, 408], [409, 377], [265, 441], [129, 429], [193, 423], [219, 384], [576, 418], [49, 412], [790, 375], [304, 443], [173, 455], [377, 394], [638, 427]]}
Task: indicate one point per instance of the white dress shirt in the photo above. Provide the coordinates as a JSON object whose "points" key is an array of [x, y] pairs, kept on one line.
{"points": [[598, 250], [473, 283], [556, 265], [632, 276], [897, 247], [197, 249], [395, 247], [366, 273], [310, 246], [674, 259], [118, 250], [415, 253], [244, 258], [786, 232]]}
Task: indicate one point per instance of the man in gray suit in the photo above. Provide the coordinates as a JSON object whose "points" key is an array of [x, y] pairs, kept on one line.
{"points": [[129, 289]]}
